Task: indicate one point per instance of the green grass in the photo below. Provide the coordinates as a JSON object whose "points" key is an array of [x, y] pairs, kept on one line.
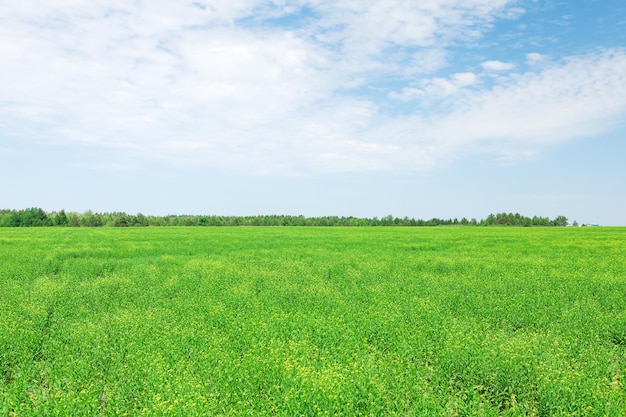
{"points": [[313, 321]]}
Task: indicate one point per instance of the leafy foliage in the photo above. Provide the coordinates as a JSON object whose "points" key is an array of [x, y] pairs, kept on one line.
{"points": [[37, 217]]}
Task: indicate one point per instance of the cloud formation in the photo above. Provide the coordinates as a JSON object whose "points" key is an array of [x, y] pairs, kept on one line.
{"points": [[291, 87], [497, 65]]}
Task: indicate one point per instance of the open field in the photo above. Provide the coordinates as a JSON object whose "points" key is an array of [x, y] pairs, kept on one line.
{"points": [[313, 321]]}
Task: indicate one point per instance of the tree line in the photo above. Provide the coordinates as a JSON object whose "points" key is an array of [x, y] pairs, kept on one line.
{"points": [[37, 217]]}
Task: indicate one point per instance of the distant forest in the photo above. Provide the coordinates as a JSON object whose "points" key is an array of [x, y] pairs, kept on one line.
{"points": [[36, 217]]}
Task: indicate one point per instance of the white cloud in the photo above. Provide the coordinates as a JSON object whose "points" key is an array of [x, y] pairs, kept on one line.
{"points": [[407, 94], [363, 31], [464, 78], [534, 57], [436, 88], [497, 65], [189, 83], [426, 61], [580, 97]]}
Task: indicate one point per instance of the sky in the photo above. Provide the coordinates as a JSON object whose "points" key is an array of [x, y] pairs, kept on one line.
{"points": [[449, 108]]}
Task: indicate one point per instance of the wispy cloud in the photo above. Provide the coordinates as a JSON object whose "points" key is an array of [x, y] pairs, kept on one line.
{"points": [[234, 85], [534, 57], [497, 65]]}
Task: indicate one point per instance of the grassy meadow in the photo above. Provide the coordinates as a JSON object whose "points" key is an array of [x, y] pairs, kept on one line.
{"points": [[284, 321]]}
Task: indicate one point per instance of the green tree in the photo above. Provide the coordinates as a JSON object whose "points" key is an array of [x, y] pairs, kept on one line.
{"points": [[60, 219], [121, 220], [73, 220], [34, 217], [11, 219], [141, 220], [541, 221]]}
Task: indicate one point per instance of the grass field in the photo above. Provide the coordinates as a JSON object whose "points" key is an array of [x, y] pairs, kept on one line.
{"points": [[313, 321]]}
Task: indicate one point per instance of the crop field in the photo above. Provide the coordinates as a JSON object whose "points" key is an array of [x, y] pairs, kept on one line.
{"points": [[284, 321]]}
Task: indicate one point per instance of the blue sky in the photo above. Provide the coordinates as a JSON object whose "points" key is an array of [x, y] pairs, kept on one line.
{"points": [[452, 108]]}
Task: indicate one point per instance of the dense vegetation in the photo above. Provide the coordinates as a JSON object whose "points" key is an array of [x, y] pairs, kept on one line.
{"points": [[35, 217], [313, 321]]}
